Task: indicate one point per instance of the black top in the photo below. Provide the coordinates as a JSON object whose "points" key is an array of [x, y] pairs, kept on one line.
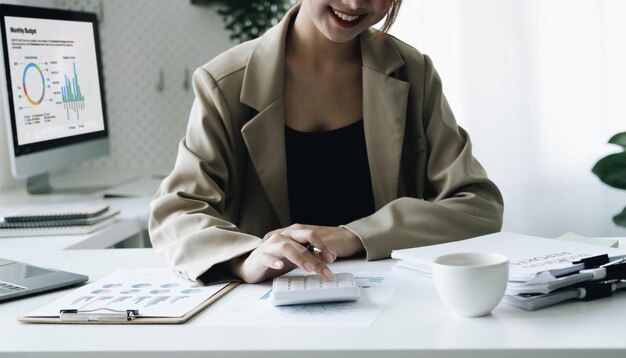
{"points": [[328, 176]]}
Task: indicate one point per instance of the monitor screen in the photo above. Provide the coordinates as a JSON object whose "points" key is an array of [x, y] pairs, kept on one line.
{"points": [[54, 84]]}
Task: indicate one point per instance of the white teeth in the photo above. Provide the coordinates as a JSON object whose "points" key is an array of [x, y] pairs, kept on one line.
{"points": [[345, 17]]}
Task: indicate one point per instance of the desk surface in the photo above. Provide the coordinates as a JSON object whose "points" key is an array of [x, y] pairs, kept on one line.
{"points": [[132, 220], [415, 322]]}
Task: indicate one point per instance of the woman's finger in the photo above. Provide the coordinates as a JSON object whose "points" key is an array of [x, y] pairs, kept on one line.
{"points": [[300, 256], [273, 232], [271, 261], [306, 236]]}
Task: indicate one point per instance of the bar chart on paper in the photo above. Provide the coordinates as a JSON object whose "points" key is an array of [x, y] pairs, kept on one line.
{"points": [[153, 292], [249, 306]]}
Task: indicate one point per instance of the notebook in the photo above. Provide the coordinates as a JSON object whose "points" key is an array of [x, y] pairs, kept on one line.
{"points": [[107, 214], [65, 212], [55, 231], [74, 219], [20, 279]]}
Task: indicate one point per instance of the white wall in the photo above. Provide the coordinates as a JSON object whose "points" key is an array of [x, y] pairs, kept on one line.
{"points": [[140, 38], [541, 87]]}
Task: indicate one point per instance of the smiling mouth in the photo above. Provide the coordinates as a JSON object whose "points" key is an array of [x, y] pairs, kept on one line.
{"points": [[345, 18]]}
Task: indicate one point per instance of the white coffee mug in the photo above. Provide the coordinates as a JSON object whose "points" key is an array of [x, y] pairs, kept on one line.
{"points": [[471, 284]]}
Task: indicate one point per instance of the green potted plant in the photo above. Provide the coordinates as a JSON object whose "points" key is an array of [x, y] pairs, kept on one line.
{"points": [[248, 19], [612, 171]]}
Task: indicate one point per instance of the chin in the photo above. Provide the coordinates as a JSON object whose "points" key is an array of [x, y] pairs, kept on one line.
{"points": [[341, 37]]}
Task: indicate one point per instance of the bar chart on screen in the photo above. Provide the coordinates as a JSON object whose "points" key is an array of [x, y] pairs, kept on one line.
{"points": [[71, 94]]}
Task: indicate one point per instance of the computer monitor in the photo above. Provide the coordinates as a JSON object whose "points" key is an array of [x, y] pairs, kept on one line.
{"points": [[53, 89]]}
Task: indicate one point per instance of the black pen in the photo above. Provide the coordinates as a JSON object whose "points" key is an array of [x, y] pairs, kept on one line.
{"points": [[313, 249]]}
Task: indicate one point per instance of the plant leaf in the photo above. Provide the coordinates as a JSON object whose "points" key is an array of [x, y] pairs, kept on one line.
{"points": [[246, 19], [620, 219], [612, 170], [619, 139]]}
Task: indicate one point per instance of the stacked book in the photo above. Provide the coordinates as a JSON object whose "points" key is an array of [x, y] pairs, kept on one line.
{"points": [[73, 219], [542, 272]]}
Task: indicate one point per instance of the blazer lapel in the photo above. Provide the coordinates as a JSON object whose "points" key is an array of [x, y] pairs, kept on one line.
{"points": [[265, 139], [385, 102], [262, 89]]}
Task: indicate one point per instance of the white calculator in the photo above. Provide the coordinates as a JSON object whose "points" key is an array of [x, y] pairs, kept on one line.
{"points": [[297, 290]]}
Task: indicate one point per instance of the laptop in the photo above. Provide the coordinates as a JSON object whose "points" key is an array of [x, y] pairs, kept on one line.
{"points": [[20, 279]]}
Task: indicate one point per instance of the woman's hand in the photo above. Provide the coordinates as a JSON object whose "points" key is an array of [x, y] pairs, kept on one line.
{"points": [[284, 249], [279, 254], [340, 240]]}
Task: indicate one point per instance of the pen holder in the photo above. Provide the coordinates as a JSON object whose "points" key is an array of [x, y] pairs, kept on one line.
{"points": [[471, 284]]}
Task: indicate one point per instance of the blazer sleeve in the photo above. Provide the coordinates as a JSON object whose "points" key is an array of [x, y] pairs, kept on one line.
{"points": [[465, 202], [188, 225]]}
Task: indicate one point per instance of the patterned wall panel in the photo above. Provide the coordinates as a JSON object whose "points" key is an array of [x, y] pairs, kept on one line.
{"points": [[150, 49]]}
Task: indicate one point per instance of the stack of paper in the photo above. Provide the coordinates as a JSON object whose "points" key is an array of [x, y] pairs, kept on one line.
{"points": [[538, 266], [531, 302]]}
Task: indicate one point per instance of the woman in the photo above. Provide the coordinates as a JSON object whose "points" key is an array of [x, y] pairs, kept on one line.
{"points": [[324, 132]]}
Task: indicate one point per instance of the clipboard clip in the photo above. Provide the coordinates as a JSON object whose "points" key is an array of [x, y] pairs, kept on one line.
{"points": [[73, 315]]}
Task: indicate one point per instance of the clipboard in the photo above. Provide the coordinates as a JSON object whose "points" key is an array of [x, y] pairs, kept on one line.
{"points": [[102, 311]]}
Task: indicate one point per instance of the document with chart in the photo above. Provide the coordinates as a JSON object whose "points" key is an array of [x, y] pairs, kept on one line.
{"points": [[53, 70], [157, 293], [250, 306]]}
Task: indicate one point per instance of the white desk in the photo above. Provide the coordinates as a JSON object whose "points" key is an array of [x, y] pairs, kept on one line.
{"points": [[132, 221], [414, 324]]}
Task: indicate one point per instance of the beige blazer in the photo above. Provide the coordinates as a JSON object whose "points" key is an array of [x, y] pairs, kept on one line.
{"points": [[229, 184]]}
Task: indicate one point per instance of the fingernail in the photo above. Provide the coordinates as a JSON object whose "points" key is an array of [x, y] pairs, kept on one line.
{"points": [[327, 273], [309, 266], [329, 257], [278, 263], [334, 255]]}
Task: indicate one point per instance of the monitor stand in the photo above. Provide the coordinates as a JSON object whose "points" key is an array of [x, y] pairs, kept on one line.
{"points": [[40, 184]]}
